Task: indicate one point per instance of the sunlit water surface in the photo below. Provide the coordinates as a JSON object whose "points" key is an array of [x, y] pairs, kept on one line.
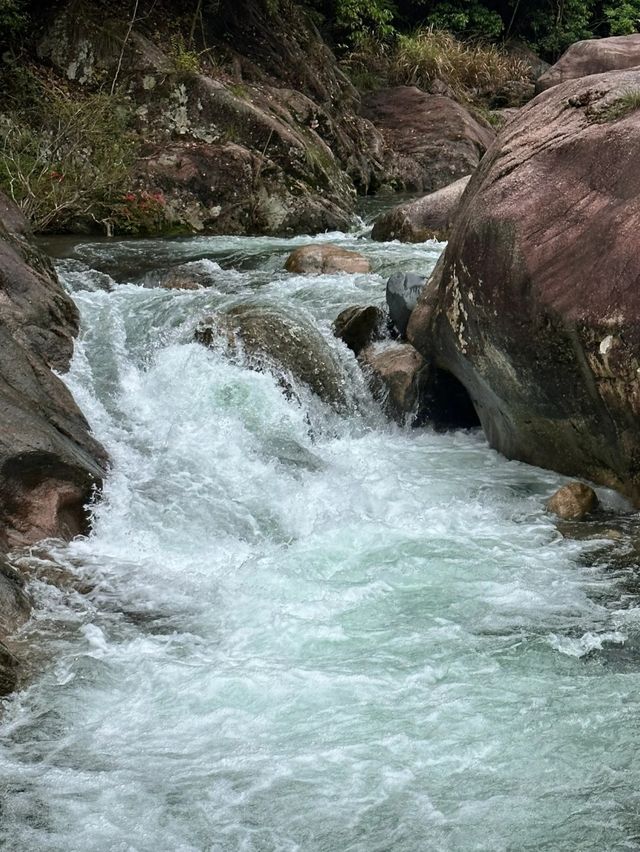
{"points": [[303, 630]]}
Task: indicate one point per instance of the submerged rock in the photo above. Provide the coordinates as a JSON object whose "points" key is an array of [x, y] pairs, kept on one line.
{"points": [[402, 291], [573, 502], [592, 56], [358, 326], [534, 306], [426, 218], [268, 338], [394, 372], [323, 258]]}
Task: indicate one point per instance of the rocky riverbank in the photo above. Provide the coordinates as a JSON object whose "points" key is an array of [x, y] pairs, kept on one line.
{"points": [[50, 466]]}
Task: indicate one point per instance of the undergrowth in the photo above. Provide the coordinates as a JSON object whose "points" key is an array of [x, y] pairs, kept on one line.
{"points": [[622, 106], [65, 155], [469, 69]]}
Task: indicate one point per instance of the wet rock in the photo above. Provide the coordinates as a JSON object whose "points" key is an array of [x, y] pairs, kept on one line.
{"points": [[394, 372], [319, 259], [534, 306], [358, 326], [431, 139], [49, 463], [403, 289], [268, 338], [593, 56], [14, 611], [573, 502], [427, 218]]}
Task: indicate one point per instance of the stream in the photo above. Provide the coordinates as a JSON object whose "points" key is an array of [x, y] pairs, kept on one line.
{"points": [[300, 629]]}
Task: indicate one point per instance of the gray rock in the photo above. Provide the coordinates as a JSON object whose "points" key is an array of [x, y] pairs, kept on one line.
{"points": [[403, 289]]}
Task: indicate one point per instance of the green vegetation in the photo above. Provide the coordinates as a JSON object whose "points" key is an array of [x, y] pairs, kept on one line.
{"points": [[428, 55], [622, 106], [64, 158], [549, 26]]}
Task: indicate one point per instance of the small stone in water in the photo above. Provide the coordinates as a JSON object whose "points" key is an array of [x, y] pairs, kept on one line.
{"points": [[574, 501]]}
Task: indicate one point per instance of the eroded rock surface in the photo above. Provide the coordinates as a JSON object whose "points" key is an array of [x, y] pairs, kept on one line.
{"points": [[264, 138], [431, 139], [426, 218], [535, 304], [592, 56]]}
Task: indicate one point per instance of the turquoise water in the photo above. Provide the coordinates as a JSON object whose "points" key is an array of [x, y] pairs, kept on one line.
{"points": [[302, 630]]}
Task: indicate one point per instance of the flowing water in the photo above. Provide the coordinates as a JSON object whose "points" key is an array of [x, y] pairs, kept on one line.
{"points": [[305, 630]]}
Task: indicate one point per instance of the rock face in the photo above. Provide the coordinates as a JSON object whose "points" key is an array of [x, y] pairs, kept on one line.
{"points": [[266, 139], [431, 139], [49, 463], [573, 502], [271, 339], [535, 305], [593, 56], [358, 326], [394, 371], [427, 218], [318, 259], [402, 291]]}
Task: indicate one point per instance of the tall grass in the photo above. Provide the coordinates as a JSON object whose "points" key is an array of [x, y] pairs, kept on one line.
{"points": [[470, 70]]}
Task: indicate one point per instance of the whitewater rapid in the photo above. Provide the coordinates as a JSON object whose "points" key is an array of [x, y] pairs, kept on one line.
{"points": [[293, 629]]}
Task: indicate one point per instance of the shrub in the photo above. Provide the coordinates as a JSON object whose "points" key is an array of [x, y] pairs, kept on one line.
{"points": [[469, 69], [66, 159]]}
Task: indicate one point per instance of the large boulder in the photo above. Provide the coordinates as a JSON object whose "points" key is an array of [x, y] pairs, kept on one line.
{"points": [[269, 338], [49, 463], [322, 258], [535, 304], [593, 56], [431, 139], [426, 218]]}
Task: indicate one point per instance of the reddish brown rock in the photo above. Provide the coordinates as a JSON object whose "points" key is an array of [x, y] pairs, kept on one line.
{"points": [[535, 305], [573, 502], [394, 373], [593, 56], [49, 463], [431, 139], [321, 258], [426, 218]]}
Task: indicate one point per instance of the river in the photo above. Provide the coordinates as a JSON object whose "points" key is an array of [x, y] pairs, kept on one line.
{"points": [[294, 629]]}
